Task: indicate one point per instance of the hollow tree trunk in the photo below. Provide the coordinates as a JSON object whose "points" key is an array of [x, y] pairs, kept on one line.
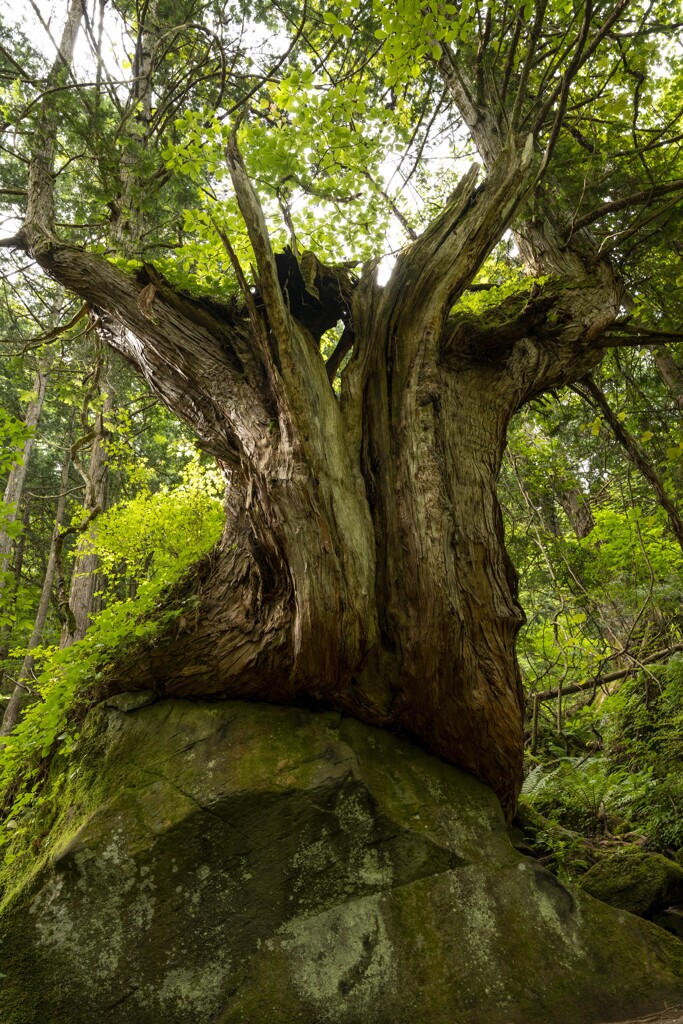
{"points": [[363, 563]]}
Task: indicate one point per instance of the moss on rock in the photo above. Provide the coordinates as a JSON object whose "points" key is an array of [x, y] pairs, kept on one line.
{"points": [[635, 880], [231, 862]]}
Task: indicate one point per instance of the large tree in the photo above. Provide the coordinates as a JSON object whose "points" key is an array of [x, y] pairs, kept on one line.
{"points": [[363, 564]]}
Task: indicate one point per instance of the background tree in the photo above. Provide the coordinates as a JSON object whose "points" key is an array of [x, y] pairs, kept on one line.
{"points": [[364, 563]]}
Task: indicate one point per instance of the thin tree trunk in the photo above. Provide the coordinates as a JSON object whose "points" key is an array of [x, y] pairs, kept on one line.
{"points": [[17, 477], [578, 511], [6, 630], [14, 489], [128, 220], [84, 579], [669, 371], [20, 546], [637, 456], [13, 708]]}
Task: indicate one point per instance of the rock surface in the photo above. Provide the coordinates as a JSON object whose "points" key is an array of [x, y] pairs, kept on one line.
{"points": [[635, 880], [230, 862]]}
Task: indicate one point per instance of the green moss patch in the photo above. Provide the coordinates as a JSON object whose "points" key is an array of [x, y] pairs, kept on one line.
{"points": [[635, 880]]}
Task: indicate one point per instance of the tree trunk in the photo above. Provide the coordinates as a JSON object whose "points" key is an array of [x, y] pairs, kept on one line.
{"points": [[670, 372], [363, 563], [14, 489], [577, 508], [13, 709], [15, 482], [84, 578]]}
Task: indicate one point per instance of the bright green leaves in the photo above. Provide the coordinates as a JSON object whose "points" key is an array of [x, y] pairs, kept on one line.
{"points": [[313, 151], [412, 31], [156, 536], [633, 542], [193, 155], [502, 282], [13, 433], [149, 542]]}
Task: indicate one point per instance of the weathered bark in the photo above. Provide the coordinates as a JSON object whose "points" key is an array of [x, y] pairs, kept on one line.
{"points": [[363, 563], [13, 709]]}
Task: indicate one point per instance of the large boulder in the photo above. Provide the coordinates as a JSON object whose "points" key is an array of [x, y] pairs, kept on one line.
{"points": [[215, 863]]}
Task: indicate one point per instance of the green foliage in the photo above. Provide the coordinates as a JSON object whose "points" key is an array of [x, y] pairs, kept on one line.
{"points": [[590, 795], [601, 572], [629, 546], [499, 281], [13, 433], [645, 733], [633, 786], [156, 536], [148, 545]]}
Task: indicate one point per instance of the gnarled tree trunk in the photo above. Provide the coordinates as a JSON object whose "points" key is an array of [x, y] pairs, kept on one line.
{"points": [[363, 563]]}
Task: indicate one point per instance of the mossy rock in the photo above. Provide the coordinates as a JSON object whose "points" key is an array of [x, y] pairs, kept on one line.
{"points": [[635, 880], [233, 863]]}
